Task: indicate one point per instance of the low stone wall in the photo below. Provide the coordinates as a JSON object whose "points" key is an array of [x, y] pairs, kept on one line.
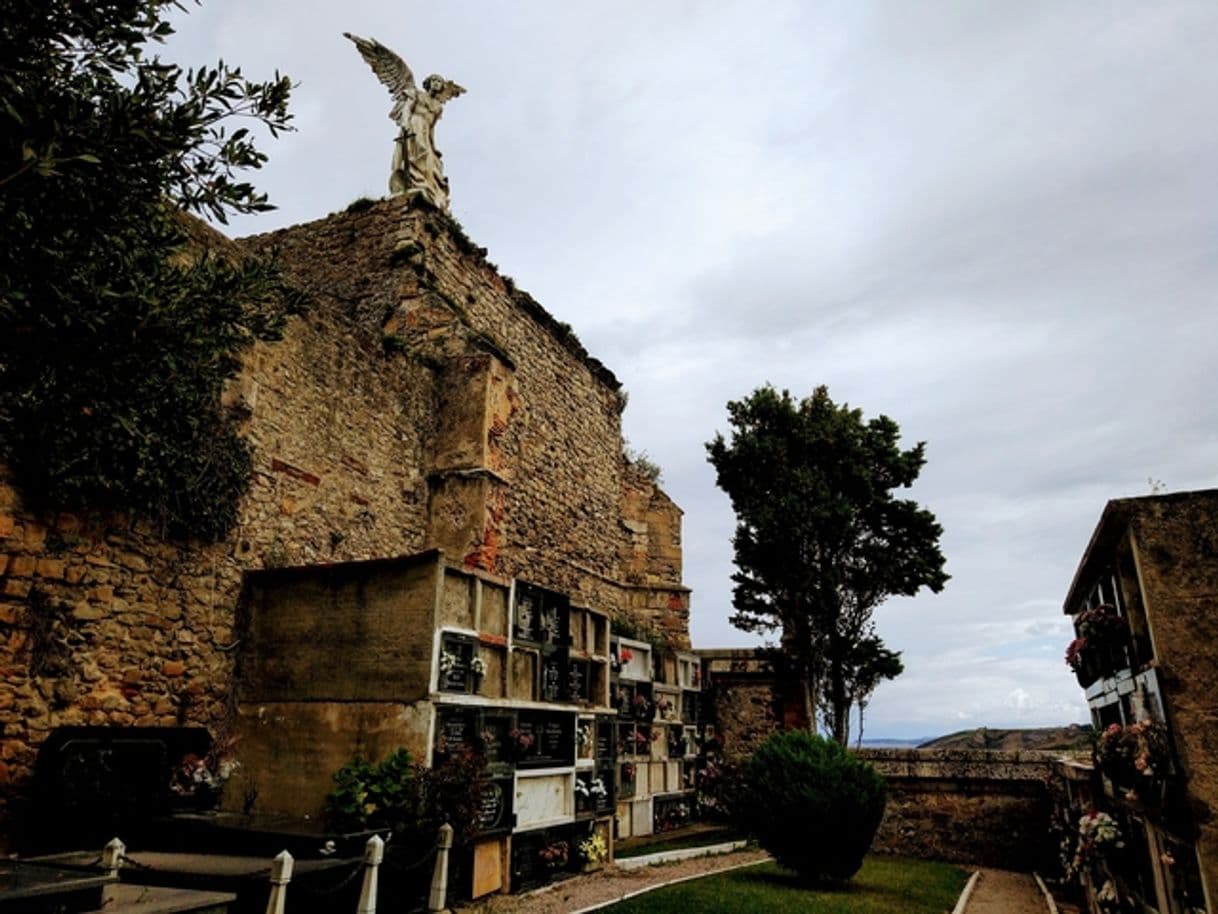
{"points": [[968, 806]]}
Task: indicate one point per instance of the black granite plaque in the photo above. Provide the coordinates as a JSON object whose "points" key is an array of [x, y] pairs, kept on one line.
{"points": [[552, 674], [494, 734], [585, 803], [676, 742], [627, 774], [551, 738], [455, 732], [577, 681], [526, 618], [625, 739], [456, 654], [689, 706], [644, 706], [495, 806], [604, 738], [527, 872], [555, 619], [603, 802], [622, 697]]}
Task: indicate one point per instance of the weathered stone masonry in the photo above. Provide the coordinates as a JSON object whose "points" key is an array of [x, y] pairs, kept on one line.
{"points": [[422, 401]]}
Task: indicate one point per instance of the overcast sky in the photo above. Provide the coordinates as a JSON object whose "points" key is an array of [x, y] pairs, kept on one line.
{"points": [[996, 223]]}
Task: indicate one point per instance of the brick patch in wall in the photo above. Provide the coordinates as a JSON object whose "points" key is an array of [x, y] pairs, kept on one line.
{"points": [[280, 466]]}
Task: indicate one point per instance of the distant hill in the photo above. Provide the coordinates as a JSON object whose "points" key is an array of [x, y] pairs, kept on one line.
{"points": [[1074, 738], [893, 743]]}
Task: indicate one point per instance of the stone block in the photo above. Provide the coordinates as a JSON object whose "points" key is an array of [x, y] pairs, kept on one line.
{"points": [[132, 560], [35, 536], [22, 566], [17, 588], [51, 568]]}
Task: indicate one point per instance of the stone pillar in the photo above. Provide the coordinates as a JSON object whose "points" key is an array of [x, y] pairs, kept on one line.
{"points": [[374, 852], [281, 875], [470, 466], [439, 877]]}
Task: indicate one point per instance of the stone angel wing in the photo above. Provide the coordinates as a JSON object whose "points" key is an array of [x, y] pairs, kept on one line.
{"points": [[388, 67]]}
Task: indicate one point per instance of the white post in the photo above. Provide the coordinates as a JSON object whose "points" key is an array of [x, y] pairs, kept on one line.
{"points": [[111, 859], [112, 856], [439, 877], [374, 852], [281, 875]]}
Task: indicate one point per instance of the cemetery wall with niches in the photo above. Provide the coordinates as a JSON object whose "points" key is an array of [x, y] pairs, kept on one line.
{"points": [[583, 735], [422, 401]]}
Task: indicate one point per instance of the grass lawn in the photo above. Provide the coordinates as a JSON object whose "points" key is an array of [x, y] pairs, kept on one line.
{"points": [[885, 885]]}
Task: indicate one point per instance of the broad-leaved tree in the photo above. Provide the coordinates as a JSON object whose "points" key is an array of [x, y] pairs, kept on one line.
{"points": [[820, 538]]}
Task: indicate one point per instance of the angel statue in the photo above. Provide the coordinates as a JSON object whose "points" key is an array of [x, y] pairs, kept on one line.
{"points": [[417, 168]]}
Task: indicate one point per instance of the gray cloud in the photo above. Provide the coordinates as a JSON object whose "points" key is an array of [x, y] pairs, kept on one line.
{"points": [[997, 224]]}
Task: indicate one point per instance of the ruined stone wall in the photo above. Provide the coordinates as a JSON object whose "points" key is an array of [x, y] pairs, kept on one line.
{"points": [[533, 483], [651, 556], [745, 699], [1176, 548], [103, 622], [421, 401], [967, 806]]}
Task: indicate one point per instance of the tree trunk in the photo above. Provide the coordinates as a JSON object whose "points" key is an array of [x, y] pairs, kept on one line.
{"points": [[809, 701], [838, 701]]}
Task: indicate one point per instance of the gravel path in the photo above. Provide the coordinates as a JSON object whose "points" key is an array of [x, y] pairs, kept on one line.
{"points": [[1004, 892], [997, 891], [610, 884]]}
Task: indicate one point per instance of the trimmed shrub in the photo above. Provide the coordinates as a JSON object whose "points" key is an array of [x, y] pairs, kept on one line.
{"points": [[408, 799], [812, 804]]}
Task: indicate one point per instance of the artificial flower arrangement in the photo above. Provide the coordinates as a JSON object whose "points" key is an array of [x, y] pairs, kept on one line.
{"points": [[625, 655], [521, 740], [677, 743], [477, 666], [555, 855], [1098, 833], [1074, 653], [594, 851], [1134, 755], [589, 789], [583, 736], [448, 661], [201, 775], [1097, 626], [1099, 837]]}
